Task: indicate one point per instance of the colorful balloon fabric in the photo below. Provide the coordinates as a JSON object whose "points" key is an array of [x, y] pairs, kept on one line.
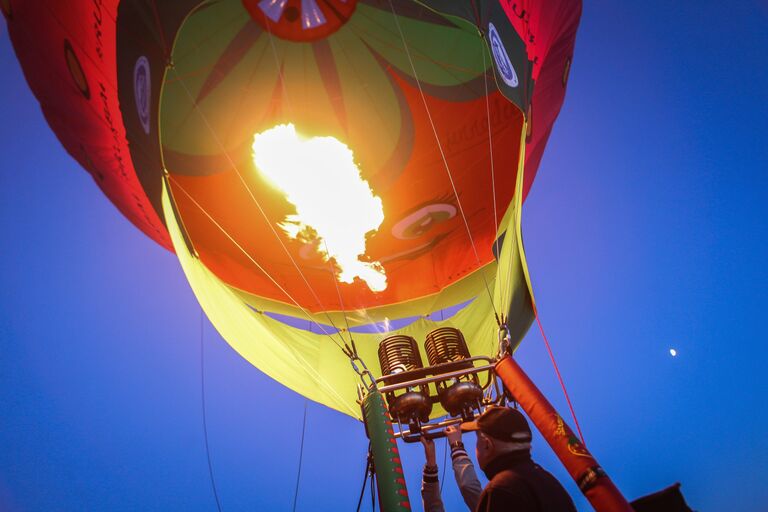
{"points": [[441, 109]]}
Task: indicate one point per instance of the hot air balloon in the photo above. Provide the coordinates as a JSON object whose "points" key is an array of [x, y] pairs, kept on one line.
{"points": [[330, 173], [441, 108]]}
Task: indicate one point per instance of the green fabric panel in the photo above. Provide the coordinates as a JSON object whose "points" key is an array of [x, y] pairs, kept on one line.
{"points": [[432, 46], [224, 77]]}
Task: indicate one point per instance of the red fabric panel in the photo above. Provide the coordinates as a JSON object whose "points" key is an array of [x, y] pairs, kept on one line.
{"points": [[549, 29], [87, 120]]}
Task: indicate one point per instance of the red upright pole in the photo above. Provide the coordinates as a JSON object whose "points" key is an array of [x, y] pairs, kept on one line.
{"points": [[582, 466]]}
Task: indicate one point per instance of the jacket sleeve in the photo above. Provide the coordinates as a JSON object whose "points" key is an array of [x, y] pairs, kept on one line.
{"points": [[430, 490], [466, 478]]}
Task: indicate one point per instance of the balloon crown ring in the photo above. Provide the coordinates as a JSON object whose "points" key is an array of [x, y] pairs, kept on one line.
{"points": [[299, 21]]}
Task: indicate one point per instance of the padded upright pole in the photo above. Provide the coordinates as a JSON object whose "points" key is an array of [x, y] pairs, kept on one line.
{"points": [[390, 481], [582, 466]]}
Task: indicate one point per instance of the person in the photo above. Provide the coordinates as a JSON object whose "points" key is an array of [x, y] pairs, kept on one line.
{"points": [[463, 472], [515, 482]]}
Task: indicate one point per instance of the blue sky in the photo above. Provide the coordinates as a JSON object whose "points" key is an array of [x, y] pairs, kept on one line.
{"points": [[645, 230]]}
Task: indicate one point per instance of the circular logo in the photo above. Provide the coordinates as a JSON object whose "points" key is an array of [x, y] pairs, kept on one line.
{"points": [[422, 220], [301, 20], [503, 63], [142, 91], [76, 69]]}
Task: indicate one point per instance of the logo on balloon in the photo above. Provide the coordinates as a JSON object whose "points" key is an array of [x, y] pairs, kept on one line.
{"points": [[142, 91], [503, 63], [422, 220]]}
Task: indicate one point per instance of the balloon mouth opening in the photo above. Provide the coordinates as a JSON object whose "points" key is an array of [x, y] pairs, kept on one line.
{"points": [[375, 326], [300, 21]]}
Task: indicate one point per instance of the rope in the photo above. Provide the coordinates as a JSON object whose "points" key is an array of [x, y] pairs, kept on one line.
{"points": [[205, 422], [442, 153], [445, 453], [345, 348], [301, 457], [493, 174], [373, 490], [299, 359], [368, 470], [338, 292], [247, 255], [253, 198], [160, 30], [557, 371]]}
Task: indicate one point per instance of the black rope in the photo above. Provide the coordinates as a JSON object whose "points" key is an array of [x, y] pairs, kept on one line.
{"points": [[368, 470], [301, 457], [205, 422], [445, 453], [373, 490]]}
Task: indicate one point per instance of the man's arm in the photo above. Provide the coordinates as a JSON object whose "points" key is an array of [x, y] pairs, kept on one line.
{"points": [[430, 484], [463, 469]]}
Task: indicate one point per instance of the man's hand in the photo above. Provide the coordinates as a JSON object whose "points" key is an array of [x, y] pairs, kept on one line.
{"points": [[453, 433], [429, 451]]}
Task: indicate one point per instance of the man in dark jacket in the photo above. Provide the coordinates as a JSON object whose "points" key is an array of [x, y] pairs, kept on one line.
{"points": [[516, 483]]}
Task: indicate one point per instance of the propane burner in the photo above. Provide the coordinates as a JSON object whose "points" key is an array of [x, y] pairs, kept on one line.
{"points": [[412, 405], [452, 378], [461, 395]]}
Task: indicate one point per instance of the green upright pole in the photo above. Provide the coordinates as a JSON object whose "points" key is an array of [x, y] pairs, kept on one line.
{"points": [[390, 481]]}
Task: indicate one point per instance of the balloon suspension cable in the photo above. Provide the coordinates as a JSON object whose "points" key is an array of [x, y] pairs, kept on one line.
{"points": [[368, 472], [359, 366], [493, 174], [445, 457], [301, 457], [160, 31], [299, 359], [335, 281], [557, 371], [440, 148], [203, 408], [373, 488], [280, 72], [256, 202], [255, 263], [352, 349]]}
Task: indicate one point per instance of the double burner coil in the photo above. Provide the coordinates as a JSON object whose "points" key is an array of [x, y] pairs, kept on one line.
{"points": [[400, 354], [460, 395]]}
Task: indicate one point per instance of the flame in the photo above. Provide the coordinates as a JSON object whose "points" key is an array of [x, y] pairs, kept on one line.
{"points": [[334, 205]]}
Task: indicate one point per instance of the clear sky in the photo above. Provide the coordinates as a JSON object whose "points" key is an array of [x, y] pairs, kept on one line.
{"points": [[646, 230]]}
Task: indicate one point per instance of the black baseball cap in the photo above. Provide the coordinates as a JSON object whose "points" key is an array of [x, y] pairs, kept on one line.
{"points": [[501, 423]]}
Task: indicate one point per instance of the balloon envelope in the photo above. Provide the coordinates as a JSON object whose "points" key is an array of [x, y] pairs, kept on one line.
{"points": [[444, 108]]}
